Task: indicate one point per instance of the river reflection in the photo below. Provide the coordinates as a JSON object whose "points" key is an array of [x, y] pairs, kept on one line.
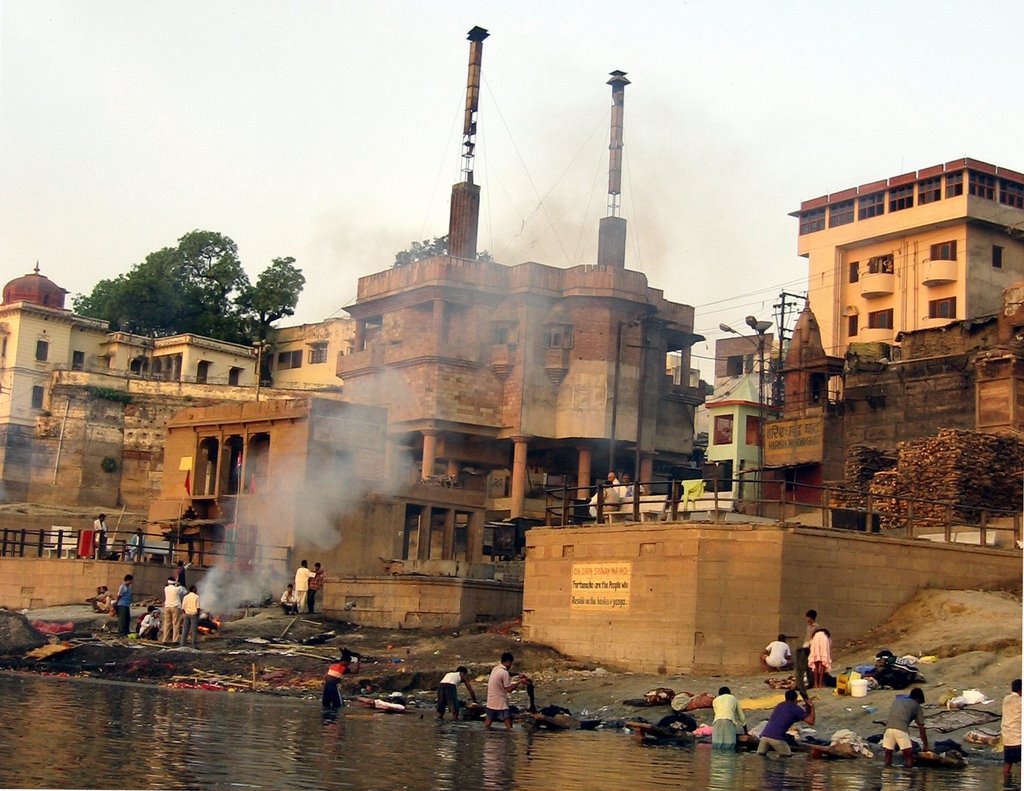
{"points": [[69, 733]]}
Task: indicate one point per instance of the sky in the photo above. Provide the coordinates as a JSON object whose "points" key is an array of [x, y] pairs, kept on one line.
{"points": [[330, 131]]}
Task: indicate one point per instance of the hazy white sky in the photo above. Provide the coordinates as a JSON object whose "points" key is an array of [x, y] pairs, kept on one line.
{"points": [[329, 131]]}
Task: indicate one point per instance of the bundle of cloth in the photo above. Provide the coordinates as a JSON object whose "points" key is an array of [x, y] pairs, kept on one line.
{"points": [[893, 671]]}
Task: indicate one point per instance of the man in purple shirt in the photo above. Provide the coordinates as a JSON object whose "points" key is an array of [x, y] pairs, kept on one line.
{"points": [[783, 717]]}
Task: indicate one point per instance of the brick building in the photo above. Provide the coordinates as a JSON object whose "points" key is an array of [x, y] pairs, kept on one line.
{"points": [[528, 373]]}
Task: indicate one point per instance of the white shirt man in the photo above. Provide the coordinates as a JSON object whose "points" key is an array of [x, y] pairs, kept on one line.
{"points": [[99, 536], [288, 601], [151, 621], [302, 577], [170, 629], [776, 655]]}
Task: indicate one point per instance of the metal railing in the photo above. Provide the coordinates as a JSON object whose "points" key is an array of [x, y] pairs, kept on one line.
{"points": [[834, 506], [153, 548]]}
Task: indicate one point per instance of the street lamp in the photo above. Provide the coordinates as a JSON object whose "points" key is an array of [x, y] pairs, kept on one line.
{"points": [[760, 328]]}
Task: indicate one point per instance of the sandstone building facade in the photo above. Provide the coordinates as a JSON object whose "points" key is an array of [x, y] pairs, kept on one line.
{"points": [[913, 251]]}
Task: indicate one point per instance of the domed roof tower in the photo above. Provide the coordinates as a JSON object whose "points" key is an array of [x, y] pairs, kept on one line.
{"points": [[35, 288]]}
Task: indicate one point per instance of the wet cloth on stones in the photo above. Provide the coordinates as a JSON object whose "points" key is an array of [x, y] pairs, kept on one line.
{"points": [[948, 721]]}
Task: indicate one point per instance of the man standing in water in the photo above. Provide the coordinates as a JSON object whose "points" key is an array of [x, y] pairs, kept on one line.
{"points": [[499, 685], [905, 708], [1011, 730], [448, 694]]}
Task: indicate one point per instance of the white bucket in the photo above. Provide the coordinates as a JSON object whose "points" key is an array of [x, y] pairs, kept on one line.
{"points": [[859, 688]]}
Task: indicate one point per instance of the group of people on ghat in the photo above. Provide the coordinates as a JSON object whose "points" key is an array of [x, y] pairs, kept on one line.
{"points": [[812, 661], [500, 685], [302, 593], [613, 492], [729, 723]]}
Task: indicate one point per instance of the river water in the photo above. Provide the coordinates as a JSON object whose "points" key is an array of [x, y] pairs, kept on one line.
{"points": [[75, 733]]}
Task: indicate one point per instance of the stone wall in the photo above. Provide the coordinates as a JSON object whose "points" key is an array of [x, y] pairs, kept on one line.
{"points": [[707, 599], [420, 602], [93, 417], [931, 387], [42, 582]]}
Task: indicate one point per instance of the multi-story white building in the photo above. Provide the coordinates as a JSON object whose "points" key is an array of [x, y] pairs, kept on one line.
{"points": [[912, 251], [48, 353]]}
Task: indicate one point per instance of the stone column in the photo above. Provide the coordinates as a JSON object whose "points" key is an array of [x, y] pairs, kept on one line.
{"points": [[646, 469], [448, 542], [583, 473], [423, 547], [454, 468], [429, 453], [475, 537], [518, 476]]}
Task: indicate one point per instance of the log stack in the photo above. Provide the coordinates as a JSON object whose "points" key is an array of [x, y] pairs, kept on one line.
{"points": [[975, 471], [862, 462], [884, 486], [969, 471]]}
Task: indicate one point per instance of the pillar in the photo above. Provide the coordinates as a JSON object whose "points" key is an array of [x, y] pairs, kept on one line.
{"points": [[583, 473], [454, 468], [646, 469], [423, 545], [518, 476], [448, 541], [429, 453], [474, 537]]}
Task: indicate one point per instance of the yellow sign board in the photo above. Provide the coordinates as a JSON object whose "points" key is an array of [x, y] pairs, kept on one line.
{"points": [[793, 441], [601, 586]]}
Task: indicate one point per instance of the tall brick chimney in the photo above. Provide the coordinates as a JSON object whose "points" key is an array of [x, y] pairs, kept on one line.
{"points": [[464, 219], [611, 235]]}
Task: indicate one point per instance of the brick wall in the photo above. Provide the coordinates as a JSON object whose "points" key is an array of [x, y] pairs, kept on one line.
{"points": [[420, 602], [42, 582]]}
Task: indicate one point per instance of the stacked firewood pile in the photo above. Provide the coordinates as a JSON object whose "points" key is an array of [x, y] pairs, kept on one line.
{"points": [[891, 512], [977, 472], [862, 463]]}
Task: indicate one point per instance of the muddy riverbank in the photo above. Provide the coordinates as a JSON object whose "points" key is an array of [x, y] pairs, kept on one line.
{"points": [[974, 636]]}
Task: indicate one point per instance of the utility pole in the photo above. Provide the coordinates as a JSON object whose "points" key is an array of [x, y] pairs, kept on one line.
{"points": [[781, 308]]}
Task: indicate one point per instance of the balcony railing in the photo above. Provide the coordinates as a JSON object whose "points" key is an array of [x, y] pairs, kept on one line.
{"points": [[877, 284], [938, 271], [876, 335], [735, 499]]}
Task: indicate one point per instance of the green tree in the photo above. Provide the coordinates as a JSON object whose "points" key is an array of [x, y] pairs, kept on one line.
{"points": [[198, 286], [274, 296], [428, 248], [146, 301]]}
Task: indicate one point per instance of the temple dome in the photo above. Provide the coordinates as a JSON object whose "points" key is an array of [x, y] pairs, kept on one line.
{"points": [[35, 288]]}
